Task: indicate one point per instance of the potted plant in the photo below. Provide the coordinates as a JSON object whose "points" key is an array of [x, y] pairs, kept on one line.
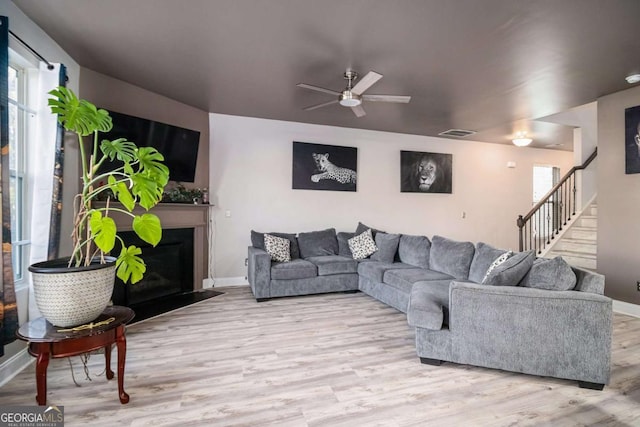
{"points": [[75, 290]]}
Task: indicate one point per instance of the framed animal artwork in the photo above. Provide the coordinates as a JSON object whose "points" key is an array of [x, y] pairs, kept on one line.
{"points": [[324, 167], [632, 140], [425, 172]]}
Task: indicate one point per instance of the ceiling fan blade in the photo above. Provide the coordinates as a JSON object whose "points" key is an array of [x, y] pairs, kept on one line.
{"points": [[387, 98], [324, 104], [366, 82], [358, 111], [317, 89]]}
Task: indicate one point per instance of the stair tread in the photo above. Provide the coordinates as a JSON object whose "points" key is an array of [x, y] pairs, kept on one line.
{"points": [[584, 228], [575, 254], [578, 240]]}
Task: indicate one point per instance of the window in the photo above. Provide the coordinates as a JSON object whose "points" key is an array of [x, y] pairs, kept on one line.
{"points": [[544, 178], [21, 119]]}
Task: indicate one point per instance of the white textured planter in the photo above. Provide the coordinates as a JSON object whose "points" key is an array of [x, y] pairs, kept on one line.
{"points": [[72, 296]]}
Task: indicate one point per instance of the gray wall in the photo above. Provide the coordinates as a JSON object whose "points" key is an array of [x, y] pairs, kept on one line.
{"points": [[618, 201]]}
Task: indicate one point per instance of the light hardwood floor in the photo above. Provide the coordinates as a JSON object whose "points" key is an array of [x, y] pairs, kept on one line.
{"points": [[324, 360]]}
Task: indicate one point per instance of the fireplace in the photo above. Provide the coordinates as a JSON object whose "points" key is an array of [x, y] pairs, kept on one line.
{"points": [[169, 268]]}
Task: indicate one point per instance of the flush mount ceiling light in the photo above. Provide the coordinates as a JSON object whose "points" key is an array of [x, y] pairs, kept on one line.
{"points": [[633, 78], [521, 139]]}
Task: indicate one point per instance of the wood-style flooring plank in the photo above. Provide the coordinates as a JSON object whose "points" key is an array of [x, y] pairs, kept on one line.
{"points": [[322, 360]]}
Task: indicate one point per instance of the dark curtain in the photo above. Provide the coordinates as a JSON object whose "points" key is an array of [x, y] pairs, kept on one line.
{"points": [[8, 307], [56, 202]]}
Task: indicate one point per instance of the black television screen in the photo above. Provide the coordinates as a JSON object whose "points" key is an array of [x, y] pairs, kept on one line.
{"points": [[179, 146]]}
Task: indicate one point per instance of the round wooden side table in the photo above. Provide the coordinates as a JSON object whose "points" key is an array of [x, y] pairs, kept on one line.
{"points": [[47, 341]]}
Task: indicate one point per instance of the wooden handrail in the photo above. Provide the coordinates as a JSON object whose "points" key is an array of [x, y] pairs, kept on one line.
{"points": [[523, 219]]}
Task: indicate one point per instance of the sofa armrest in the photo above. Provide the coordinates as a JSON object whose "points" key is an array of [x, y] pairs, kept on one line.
{"points": [[564, 334], [259, 272]]}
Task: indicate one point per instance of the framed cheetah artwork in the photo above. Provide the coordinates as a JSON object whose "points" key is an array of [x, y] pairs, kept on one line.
{"points": [[324, 167], [425, 172]]}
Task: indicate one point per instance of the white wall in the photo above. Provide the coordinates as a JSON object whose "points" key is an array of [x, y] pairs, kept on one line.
{"points": [[251, 177]]}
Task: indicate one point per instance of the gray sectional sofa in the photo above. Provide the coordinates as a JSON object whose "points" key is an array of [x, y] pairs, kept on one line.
{"points": [[522, 314]]}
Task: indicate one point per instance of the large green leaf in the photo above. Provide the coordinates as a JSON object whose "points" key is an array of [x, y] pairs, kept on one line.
{"points": [[103, 230], [122, 193], [129, 265], [120, 149], [151, 163], [147, 189], [147, 226], [76, 115]]}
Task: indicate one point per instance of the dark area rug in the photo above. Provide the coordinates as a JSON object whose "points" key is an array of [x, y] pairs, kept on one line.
{"points": [[170, 302]]}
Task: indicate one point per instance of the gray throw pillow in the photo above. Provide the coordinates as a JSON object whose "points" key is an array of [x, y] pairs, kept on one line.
{"points": [[387, 247], [451, 257], [343, 244], [482, 259], [511, 271], [361, 228], [414, 250], [552, 274], [318, 243], [257, 241]]}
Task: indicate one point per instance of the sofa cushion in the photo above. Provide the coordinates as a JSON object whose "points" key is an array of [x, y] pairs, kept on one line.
{"points": [[295, 269], [318, 243], [451, 257], [414, 250], [334, 264], [552, 274], [277, 248], [511, 272], [483, 257], [405, 278], [343, 243], [429, 304], [257, 241], [387, 247], [361, 228], [374, 270], [362, 245]]}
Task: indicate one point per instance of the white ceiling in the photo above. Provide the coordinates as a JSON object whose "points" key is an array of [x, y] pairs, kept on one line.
{"points": [[492, 66]]}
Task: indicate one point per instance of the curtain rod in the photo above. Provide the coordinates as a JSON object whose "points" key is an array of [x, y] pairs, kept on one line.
{"points": [[25, 44]]}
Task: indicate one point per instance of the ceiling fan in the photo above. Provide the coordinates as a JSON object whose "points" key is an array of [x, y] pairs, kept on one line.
{"points": [[353, 96]]}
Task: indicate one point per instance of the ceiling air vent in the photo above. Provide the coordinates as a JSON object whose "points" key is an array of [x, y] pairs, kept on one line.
{"points": [[458, 133]]}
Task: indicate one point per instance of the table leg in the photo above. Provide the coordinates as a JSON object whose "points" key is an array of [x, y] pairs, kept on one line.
{"points": [[42, 362], [107, 361], [121, 342]]}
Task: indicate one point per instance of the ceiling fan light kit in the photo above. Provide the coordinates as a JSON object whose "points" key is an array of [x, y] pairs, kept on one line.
{"points": [[353, 95], [349, 99]]}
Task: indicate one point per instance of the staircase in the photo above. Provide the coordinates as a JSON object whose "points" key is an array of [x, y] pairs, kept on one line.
{"points": [[578, 245]]}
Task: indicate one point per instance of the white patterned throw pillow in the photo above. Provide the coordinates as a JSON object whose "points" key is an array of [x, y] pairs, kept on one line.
{"points": [[278, 248], [362, 245], [502, 258]]}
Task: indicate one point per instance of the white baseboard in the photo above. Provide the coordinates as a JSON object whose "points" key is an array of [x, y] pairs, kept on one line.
{"points": [[224, 281], [626, 308], [14, 366]]}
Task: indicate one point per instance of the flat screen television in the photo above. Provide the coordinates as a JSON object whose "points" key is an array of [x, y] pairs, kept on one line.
{"points": [[179, 146]]}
